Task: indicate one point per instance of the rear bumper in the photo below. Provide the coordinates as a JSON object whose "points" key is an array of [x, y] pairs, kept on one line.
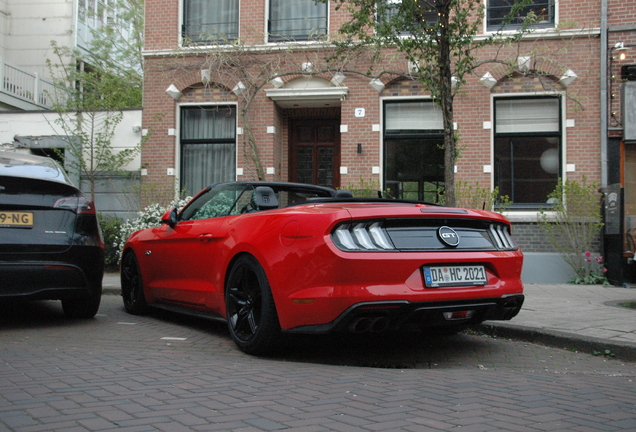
{"points": [[380, 316], [49, 281]]}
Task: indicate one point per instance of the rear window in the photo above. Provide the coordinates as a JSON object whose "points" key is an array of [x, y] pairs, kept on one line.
{"points": [[293, 194], [22, 165], [25, 192]]}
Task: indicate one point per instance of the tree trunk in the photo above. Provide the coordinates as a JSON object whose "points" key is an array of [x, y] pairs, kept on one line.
{"points": [[446, 102]]}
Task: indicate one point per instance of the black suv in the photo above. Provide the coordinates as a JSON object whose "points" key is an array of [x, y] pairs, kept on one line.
{"points": [[51, 246]]}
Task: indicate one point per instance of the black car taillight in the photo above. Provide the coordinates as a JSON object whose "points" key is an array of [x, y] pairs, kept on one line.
{"points": [[79, 205], [361, 236]]}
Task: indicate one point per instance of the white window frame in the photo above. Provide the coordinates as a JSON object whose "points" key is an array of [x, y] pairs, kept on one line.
{"points": [[177, 134], [537, 30], [521, 215], [180, 27], [382, 126], [307, 42]]}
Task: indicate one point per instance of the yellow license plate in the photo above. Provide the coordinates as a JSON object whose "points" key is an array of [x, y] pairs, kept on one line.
{"points": [[19, 219]]}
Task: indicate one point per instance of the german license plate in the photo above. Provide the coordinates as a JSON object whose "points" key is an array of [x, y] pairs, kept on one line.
{"points": [[19, 219], [454, 276]]}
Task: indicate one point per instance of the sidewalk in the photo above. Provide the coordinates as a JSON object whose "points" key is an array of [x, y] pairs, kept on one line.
{"points": [[585, 318], [111, 284]]}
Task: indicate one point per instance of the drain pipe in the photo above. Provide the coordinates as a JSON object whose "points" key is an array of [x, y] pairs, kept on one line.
{"points": [[604, 98]]}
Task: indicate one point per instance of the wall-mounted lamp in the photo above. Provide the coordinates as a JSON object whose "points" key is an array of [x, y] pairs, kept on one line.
{"points": [[136, 129], [568, 78], [621, 50], [377, 84], [488, 80], [174, 92], [239, 88], [338, 79]]}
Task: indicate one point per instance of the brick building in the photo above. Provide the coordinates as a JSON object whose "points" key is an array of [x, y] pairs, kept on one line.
{"points": [[242, 89]]}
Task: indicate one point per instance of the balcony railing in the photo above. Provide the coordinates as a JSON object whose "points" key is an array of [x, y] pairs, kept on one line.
{"points": [[25, 86]]}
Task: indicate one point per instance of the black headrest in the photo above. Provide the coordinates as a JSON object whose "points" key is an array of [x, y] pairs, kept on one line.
{"points": [[265, 198], [343, 193]]}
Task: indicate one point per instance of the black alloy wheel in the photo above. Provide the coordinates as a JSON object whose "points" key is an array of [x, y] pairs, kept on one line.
{"points": [[251, 312], [132, 289]]}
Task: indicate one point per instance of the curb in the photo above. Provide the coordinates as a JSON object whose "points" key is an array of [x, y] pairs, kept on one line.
{"points": [[590, 345], [110, 284], [110, 290]]}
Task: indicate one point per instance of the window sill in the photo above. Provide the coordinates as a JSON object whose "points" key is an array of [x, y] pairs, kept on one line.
{"points": [[524, 216]]}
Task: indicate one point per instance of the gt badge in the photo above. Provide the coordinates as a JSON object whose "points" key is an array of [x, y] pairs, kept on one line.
{"points": [[448, 236]]}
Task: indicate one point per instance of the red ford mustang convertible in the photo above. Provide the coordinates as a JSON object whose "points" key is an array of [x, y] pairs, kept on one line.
{"points": [[272, 258]]}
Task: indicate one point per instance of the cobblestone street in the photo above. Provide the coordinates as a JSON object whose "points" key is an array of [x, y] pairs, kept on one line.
{"points": [[166, 372]]}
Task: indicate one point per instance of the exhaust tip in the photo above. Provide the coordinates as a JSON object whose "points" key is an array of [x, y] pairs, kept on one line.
{"points": [[361, 325], [380, 324]]}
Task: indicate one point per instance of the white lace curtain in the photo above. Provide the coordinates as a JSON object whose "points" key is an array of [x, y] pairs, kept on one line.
{"points": [[211, 19], [208, 147], [297, 19]]}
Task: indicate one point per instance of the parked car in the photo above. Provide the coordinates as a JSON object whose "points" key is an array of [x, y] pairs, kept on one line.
{"points": [[50, 242], [272, 258]]}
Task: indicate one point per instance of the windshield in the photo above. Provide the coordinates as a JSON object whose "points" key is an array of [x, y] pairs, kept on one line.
{"points": [[219, 201]]}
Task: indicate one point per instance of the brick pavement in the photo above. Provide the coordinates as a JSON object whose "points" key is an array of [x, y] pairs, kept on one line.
{"points": [[581, 317], [169, 373]]}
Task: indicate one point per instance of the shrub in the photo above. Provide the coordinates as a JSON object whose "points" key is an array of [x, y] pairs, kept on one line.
{"points": [[478, 198], [111, 227], [149, 217], [364, 189], [573, 225]]}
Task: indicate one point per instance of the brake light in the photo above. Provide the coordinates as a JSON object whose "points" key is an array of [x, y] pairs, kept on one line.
{"points": [[79, 205], [369, 236], [501, 235]]}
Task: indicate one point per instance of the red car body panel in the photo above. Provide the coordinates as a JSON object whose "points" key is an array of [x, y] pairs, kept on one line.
{"points": [[312, 280]]}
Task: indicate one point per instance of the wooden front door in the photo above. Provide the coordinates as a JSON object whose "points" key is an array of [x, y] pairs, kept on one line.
{"points": [[315, 151]]}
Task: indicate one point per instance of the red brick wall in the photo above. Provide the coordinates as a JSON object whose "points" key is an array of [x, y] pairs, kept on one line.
{"points": [[578, 49]]}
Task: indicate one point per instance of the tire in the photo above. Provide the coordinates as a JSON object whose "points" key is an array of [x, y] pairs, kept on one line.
{"points": [[84, 308], [251, 313], [132, 288]]}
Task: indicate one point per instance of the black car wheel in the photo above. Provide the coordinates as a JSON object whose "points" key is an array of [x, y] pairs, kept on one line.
{"points": [[251, 312], [132, 289], [83, 308]]}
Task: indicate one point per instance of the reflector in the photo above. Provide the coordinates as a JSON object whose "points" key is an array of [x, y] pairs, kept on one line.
{"points": [[457, 315]]}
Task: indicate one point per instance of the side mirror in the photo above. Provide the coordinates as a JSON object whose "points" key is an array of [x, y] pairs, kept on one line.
{"points": [[170, 217]]}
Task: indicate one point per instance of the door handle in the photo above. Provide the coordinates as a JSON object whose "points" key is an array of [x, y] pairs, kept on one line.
{"points": [[205, 237]]}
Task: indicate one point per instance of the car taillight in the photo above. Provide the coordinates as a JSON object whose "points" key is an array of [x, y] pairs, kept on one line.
{"points": [[502, 238], [361, 236], [77, 204]]}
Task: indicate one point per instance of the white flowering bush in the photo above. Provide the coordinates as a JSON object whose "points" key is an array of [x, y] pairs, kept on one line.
{"points": [[147, 218]]}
